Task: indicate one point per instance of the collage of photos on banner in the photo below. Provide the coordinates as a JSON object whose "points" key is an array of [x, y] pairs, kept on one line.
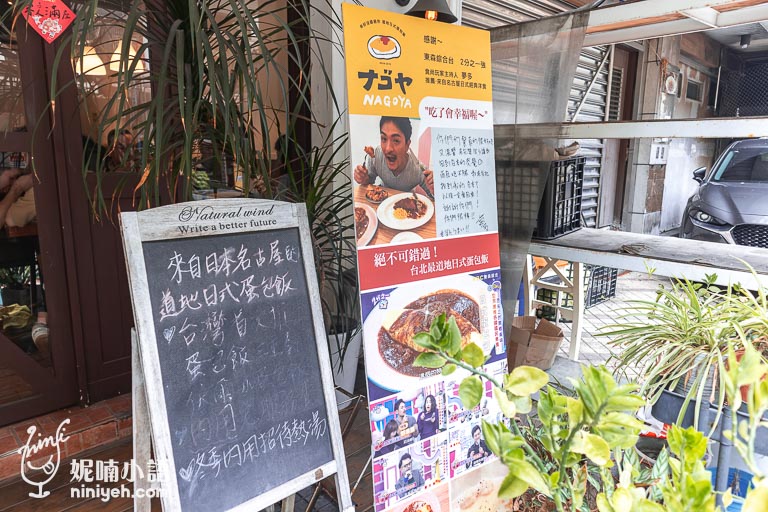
{"points": [[424, 190], [423, 437], [473, 492]]}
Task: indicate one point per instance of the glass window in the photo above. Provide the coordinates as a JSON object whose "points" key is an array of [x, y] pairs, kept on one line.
{"points": [[110, 134], [744, 165], [11, 101]]}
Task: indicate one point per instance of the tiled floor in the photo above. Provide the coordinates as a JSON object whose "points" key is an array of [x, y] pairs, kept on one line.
{"points": [[595, 350]]}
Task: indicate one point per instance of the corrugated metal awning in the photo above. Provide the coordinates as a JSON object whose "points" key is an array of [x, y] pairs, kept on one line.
{"points": [[496, 13]]}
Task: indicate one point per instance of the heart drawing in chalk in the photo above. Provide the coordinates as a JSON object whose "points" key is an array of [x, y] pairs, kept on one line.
{"points": [[186, 473], [168, 333]]}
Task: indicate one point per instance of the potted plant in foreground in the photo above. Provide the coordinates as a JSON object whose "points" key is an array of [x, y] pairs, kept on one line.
{"points": [[594, 432]]}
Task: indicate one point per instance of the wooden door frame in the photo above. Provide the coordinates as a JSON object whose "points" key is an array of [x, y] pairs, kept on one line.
{"points": [[60, 388], [68, 150]]}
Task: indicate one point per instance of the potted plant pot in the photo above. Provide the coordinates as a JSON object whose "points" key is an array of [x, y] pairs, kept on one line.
{"points": [[682, 339], [14, 285], [15, 296], [345, 342]]}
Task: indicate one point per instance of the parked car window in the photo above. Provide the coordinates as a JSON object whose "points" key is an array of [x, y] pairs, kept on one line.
{"points": [[745, 164]]}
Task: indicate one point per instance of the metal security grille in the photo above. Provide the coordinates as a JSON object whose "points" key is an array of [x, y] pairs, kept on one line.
{"points": [[587, 103], [752, 235], [745, 93], [617, 85], [495, 13], [518, 195]]}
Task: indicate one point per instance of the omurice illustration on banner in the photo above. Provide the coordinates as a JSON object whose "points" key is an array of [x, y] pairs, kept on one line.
{"points": [[424, 191], [393, 62]]}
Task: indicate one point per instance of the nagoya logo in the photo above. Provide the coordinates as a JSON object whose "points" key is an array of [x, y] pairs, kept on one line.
{"points": [[383, 47]]}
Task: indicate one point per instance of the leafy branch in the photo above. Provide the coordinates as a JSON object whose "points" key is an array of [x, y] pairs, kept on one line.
{"points": [[596, 428]]}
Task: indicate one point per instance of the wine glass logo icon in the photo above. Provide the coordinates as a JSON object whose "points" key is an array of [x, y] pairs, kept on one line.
{"points": [[45, 472]]}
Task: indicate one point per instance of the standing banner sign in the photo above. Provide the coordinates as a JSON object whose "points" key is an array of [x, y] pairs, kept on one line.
{"points": [[421, 134]]}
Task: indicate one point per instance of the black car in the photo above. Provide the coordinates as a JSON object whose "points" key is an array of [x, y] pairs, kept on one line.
{"points": [[731, 204]]}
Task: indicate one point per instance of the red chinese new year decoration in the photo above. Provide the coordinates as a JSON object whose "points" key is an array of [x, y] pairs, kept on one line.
{"points": [[50, 18]]}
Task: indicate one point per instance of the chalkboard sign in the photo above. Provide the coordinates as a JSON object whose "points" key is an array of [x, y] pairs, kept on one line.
{"points": [[233, 352]]}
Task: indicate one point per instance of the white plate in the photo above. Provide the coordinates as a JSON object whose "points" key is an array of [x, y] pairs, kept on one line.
{"points": [[427, 497], [373, 223], [379, 371], [386, 213], [393, 53], [406, 236]]}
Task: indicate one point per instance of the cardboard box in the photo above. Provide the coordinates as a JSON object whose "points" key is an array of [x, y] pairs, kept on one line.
{"points": [[530, 344]]}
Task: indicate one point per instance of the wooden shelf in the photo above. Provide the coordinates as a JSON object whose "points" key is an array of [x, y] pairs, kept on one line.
{"points": [[666, 256]]}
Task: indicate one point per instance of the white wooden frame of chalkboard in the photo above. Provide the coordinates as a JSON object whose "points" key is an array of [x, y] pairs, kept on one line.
{"points": [[162, 224]]}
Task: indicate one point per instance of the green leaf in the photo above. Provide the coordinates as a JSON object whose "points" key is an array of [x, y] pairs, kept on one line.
{"points": [[579, 485], [429, 360], [523, 404], [424, 339], [603, 504], [757, 500], [625, 403], [510, 447], [622, 499], [471, 392], [525, 471], [688, 444], [525, 380], [507, 407], [575, 412], [660, 470], [645, 505], [454, 337], [473, 355], [512, 487], [593, 447], [449, 369], [491, 434], [437, 327], [728, 498]]}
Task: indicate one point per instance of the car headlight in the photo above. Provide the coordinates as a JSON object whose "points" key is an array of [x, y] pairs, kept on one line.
{"points": [[706, 218]]}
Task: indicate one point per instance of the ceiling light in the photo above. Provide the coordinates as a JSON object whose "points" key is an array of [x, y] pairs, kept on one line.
{"points": [[90, 64], [435, 10], [114, 64]]}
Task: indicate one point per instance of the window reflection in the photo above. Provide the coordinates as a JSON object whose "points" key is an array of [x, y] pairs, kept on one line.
{"points": [[11, 101], [111, 136]]}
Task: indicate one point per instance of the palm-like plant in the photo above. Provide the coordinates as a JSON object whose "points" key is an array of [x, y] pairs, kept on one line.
{"points": [[681, 340], [230, 75]]}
